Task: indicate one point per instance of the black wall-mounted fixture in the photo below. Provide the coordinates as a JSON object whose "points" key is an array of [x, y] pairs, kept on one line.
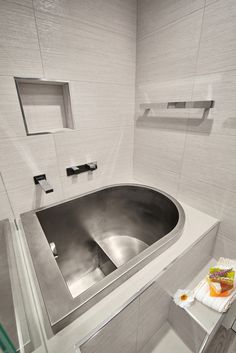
{"points": [[89, 167], [42, 181]]}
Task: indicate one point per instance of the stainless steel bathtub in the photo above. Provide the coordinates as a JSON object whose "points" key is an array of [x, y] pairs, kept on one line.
{"points": [[84, 248]]}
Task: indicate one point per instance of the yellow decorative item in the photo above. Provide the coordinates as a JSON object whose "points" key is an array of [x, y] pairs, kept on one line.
{"points": [[202, 291], [221, 281]]}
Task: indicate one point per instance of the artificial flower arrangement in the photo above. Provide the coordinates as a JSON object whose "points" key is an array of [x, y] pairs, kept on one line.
{"points": [[184, 298]]}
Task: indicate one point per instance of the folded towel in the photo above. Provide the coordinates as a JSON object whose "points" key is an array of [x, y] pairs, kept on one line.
{"points": [[202, 291]]}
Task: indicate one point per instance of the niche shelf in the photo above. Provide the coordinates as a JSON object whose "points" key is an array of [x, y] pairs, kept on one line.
{"points": [[45, 105]]}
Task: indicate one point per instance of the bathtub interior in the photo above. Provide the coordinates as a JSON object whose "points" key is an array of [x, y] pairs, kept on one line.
{"points": [[99, 232]]}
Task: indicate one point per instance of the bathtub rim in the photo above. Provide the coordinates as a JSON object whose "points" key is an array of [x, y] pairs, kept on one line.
{"points": [[60, 318]]}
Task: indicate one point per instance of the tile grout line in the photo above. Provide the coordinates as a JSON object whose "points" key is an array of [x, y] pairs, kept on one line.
{"points": [[8, 197], [37, 31], [193, 86], [58, 168], [170, 24], [21, 5], [137, 328], [135, 93], [176, 21], [89, 23], [187, 76]]}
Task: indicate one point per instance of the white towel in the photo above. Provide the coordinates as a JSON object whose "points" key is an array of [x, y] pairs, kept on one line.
{"points": [[202, 291]]}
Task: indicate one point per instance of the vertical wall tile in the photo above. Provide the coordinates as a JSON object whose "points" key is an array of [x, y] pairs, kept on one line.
{"points": [[5, 209], [162, 149], [33, 197], [27, 157], [164, 91], [228, 221], [19, 53], [170, 53], [218, 40], [98, 105], [225, 246], [115, 15], [11, 120], [150, 174], [153, 14], [201, 195], [80, 51], [111, 148], [209, 2], [28, 3], [209, 158], [220, 87]]}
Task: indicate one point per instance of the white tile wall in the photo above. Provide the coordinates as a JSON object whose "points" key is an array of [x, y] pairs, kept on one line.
{"points": [[228, 225], [11, 122], [224, 247], [102, 105], [92, 45], [175, 55], [205, 197], [115, 15], [80, 51], [149, 173], [209, 2], [112, 152], [32, 197], [28, 3], [20, 54], [208, 158], [218, 41], [163, 149], [26, 157], [195, 47], [20, 160], [153, 14], [220, 87], [5, 208]]}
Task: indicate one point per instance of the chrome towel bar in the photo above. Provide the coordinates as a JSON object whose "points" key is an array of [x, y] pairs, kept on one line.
{"points": [[179, 105]]}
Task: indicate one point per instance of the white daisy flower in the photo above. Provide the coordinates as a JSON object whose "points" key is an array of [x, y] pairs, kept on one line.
{"points": [[184, 298]]}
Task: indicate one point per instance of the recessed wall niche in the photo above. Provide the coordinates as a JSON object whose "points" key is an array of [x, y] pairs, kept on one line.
{"points": [[45, 105]]}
